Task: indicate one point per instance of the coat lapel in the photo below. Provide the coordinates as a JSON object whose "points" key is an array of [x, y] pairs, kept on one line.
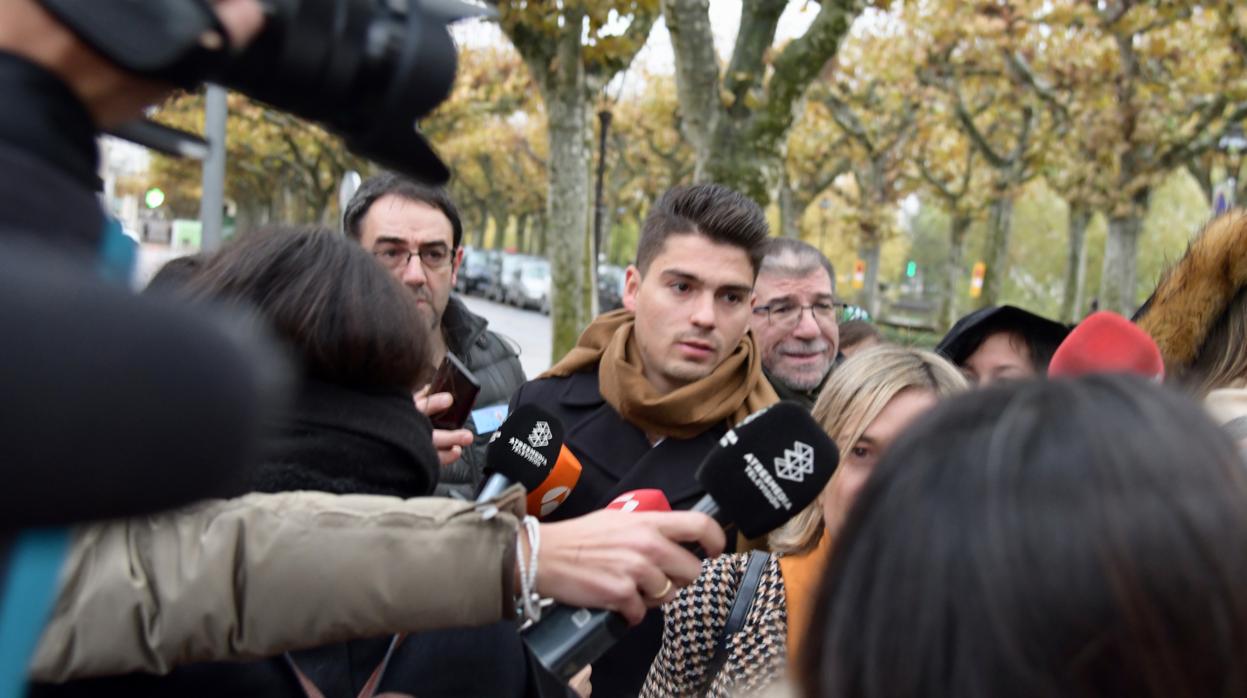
{"points": [[616, 457]]}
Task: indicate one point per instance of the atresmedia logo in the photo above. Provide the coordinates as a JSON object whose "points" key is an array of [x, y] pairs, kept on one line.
{"points": [[541, 435], [796, 463]]}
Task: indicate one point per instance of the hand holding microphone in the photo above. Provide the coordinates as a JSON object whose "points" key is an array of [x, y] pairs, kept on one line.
{"points": [[606, 559], [760, 474]]}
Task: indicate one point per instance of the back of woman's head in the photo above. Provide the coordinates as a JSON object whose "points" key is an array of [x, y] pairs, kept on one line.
{"points": [[857, 391], [348, 321], [1060, 538]]}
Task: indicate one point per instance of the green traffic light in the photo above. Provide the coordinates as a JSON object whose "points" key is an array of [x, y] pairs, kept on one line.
{"points": [[154, 197], [911, 269]]}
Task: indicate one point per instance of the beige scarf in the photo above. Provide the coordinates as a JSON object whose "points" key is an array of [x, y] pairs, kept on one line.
{"points": [[734, 390]]}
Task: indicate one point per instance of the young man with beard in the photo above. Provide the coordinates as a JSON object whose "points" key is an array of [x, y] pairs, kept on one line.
{"points": [[798, 349], [650, 388], [415, 231]]}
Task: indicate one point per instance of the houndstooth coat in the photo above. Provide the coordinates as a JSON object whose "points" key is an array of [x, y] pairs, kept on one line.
{"points": [[757, 656]]}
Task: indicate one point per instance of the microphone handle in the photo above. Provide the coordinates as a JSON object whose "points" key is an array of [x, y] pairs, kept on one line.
{"points": [[569, 639], [494, 486], [706, 505]]}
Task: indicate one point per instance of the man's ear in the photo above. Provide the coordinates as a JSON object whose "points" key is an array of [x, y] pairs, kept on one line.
{"points": [[455, 262], [632, 286]]}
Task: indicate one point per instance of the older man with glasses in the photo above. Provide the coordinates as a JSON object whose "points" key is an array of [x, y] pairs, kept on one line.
{"points": [[794, 319]]}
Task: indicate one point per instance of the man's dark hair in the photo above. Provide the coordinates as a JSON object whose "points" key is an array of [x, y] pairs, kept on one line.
{"points": [[1038, 335], [348, 320], [176, 274], [721, 214], [1039, 346], [854, 331], [387, 183], [1053, 538]]}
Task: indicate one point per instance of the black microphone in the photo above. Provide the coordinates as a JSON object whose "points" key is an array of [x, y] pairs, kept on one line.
{"points": [[763, 472], [524, 450]]}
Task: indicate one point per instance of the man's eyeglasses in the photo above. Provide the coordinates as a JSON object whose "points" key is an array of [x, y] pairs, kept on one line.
{"points": [[785, 314], [432, 257]]}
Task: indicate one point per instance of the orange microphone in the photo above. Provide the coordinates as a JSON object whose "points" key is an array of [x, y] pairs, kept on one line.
{"points": [[1106, 342], [557, 486]]}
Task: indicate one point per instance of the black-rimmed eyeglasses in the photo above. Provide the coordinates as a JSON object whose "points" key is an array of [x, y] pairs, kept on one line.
{"points": [[432, 257], [784, 314]]}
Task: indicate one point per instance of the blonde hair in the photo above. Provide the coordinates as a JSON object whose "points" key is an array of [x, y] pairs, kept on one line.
{"points": [[856, 393]]}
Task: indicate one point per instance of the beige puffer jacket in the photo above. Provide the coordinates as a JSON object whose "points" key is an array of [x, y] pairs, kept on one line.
{"points": [[266, 573]]}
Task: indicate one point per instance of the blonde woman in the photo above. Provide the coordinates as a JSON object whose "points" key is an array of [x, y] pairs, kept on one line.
{"points": [[867, 402]]}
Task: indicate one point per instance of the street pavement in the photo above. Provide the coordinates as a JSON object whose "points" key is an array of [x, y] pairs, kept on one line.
{"points": [[528, 329]]}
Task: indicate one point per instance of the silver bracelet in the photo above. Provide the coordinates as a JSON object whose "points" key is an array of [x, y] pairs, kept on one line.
{"points": [[530, 601]]}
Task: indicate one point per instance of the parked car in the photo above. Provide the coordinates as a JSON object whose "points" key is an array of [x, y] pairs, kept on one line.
{"points": [[502, 269], [475, 270], [529, 286], [610, 287]]}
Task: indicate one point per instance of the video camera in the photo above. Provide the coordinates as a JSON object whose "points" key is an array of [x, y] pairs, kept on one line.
{"points": [[365, 69]]}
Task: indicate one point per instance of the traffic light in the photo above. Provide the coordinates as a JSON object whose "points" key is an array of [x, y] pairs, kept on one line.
{"points": [[154, 197], [911, 269], [976, 279]]}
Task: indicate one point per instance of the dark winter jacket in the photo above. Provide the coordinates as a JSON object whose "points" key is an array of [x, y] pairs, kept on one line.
{"points": [[495, 363], [616, 457]]}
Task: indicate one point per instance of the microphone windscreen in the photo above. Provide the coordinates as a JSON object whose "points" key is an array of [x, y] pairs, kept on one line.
{"points": [[550, 494], [524, 447], [768, 468], [1106, 342], [640, 500]]}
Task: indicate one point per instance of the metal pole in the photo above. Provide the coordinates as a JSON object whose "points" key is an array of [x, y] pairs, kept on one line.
{"points": [[212, 203], [599, 210]]}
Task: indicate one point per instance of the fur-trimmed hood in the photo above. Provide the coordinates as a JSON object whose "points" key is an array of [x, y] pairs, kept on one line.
{"points": [[1194, 292]]}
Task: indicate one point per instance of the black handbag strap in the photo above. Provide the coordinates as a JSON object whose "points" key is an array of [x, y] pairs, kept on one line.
{"points": [[745, 594]]}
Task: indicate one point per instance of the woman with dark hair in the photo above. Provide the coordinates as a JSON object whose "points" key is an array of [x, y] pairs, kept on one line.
{"points": [[1064, 538], [356, 334]]}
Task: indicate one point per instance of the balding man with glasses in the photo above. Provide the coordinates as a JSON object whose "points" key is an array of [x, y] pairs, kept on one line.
{"points": [[794, 319]]}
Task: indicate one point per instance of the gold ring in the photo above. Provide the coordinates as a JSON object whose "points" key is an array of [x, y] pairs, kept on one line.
{"points": [[665, 590]]}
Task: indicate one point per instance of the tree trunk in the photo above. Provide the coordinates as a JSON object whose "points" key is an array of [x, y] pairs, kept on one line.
{"points": [[789, 212], [500, 229], [997, 252], [696, 73], [540, 230], [1075, 263], [480, 222], [249, 216], [1121, 252], [567, 110], [738, 126], [869, 252], [522, 243], [954, 271]]}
